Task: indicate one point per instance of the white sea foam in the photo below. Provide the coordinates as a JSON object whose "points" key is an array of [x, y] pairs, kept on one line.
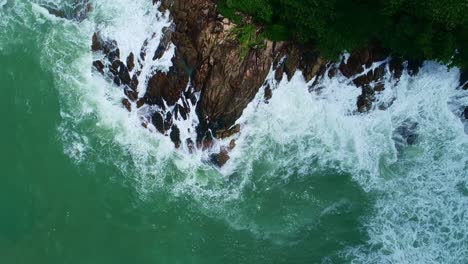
{"points": [[421, 211]]}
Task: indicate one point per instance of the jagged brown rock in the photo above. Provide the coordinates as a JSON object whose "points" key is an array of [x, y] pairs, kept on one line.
{"points": [[210, 62], [227, 75]]}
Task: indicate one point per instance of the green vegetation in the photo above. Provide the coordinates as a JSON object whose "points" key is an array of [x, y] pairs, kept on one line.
{"points": [[248, 37], [413, 29]]}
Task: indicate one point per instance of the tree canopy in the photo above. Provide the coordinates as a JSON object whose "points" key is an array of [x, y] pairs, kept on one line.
{"points": [[413, 29]]}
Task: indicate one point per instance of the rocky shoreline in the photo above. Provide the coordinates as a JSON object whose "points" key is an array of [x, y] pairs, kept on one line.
{"points": [[214, 76]]}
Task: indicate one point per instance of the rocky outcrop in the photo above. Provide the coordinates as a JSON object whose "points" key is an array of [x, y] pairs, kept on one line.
{"points": [[215, 75], [209, 54], [226, 75]]}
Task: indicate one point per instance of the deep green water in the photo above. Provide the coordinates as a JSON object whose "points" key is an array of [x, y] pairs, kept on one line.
{"points": [[82, 182]]}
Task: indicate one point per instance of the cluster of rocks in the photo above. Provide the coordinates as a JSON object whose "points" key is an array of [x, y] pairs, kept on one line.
{"points": [[209, 61], [214, 77]]}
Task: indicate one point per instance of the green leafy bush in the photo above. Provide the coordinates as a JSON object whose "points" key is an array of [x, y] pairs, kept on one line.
{"points": [[413, 29]]}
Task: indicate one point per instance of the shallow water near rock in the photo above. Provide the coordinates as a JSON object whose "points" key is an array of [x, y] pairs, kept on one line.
{"points": [[311, 180]]}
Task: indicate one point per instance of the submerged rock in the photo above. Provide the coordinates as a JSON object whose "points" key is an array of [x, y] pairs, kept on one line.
{"points": [[175, 136], [406, 134], [127, 104], [365, 100], [78, 10], [221, 158]]}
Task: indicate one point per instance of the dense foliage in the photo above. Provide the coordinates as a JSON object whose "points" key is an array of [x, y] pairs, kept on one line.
{"points": [[414, 29]]}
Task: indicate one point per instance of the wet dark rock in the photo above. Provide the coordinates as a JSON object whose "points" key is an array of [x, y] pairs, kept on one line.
{"points": [[134, 82], [113, 55], [158, 122], [279, 73], [190, 145], [140, 102], [225, 133], [310, 63], [464, 80], [143, 50], [154, 100], [365, 100], [99, 66], [109, 46], [164, 44], [159, 52], [465, 113], [175, 136], [361, 81], [96, 42], [268, 93], [117, 81], [131, 94], [168, 86], [124, 75], [221, 158], [372, 76], [378, 73], [379, 87], [180, 111], [361, 58], [168, 121], [193, 99], [414, 66], [131, 62], [332, 72], [127, 104], [206, 141], [396, 67], [232, 144], [114, 67]]}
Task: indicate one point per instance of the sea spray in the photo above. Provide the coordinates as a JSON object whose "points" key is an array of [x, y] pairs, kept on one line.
{"points": [[419, 215]]}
